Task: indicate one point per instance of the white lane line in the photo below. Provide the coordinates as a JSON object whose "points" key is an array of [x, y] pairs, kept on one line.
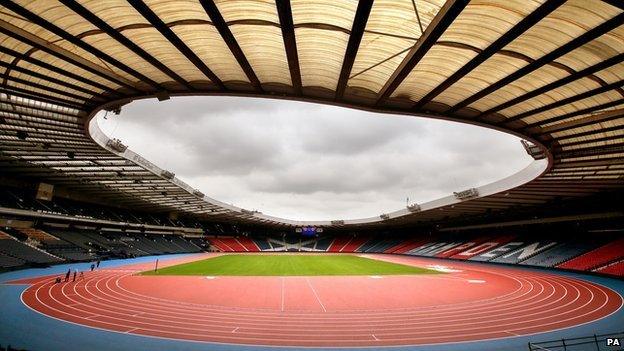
{"points": [[374, 337], [316, 295], [235, 329], [282, 294], [94, 316]]}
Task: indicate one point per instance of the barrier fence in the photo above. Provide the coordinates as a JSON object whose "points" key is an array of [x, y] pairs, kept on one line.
{"points": [[603, 342]]}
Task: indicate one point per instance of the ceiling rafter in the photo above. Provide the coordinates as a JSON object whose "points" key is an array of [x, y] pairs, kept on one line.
{"points": [[617, 59], [284, 12], [527, 22], [13, 67], [79, 43], [566, 101], [442, 20], [577, 123], [115, 34], [355, 38], [28, 94], [87, 101], [18, 34], [224, 30], [27, 58], [550, 57], [146, 12]]}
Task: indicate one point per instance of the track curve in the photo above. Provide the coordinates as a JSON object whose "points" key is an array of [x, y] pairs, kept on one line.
{"points": [[470, 303]]}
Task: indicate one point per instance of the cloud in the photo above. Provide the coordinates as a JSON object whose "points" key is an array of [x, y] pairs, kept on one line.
{"points": [[309, 161]]}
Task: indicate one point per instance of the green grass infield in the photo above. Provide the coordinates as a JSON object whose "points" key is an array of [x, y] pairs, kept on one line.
{"points": [[289, 265]]}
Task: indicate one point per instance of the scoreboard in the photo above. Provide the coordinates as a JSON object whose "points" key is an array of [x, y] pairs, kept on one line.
{"points": [[309, 231]]}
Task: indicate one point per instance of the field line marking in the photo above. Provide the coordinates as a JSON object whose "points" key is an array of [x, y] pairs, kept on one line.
{"points": [[374, 337], [235, 329], [282, 294], [514, 334], [131, 330], [315, 294]]}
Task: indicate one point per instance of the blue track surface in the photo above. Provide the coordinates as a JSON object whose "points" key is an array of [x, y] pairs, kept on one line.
{"points": [[23, 328]]}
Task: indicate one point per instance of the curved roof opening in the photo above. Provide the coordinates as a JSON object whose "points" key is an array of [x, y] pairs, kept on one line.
{"points": [[306, 161]]}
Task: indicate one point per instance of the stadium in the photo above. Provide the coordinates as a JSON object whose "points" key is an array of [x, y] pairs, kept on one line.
{"points": [[102, 248]]}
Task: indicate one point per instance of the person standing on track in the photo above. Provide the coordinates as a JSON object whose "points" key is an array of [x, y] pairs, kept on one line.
{"points": [[81, 276], [67, 275], [97, 264], [74, 275], [92, 266]]}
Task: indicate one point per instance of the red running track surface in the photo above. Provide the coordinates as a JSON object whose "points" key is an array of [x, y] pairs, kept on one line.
{"points": [[466, 304]]}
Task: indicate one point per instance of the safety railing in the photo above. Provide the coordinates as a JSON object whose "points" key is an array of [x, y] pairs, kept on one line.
{"points": [[603, 342]]}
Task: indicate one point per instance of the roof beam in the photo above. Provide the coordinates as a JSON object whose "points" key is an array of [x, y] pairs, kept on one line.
{"points": [[563, 102], [54, 50], [115, 34], [290, 43], [24, 57], [616, 3], [577, 123], [146, 12], [592, 151], [15, 67], [223, 28], [590, 132], [442, 20], [550, 57], [527, 22], [76, 41], [87, 100], [558, 83], [357, 31], [25, 93], [576, 113]]}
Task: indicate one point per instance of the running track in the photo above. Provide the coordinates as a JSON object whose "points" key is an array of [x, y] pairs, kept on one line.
{"points": [[473, 302]]}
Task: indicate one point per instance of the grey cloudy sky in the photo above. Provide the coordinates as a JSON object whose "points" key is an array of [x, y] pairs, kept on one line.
{"points": [[309, 161]]}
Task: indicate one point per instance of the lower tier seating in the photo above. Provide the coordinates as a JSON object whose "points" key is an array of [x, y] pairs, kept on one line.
{"points": [[603, 255]]}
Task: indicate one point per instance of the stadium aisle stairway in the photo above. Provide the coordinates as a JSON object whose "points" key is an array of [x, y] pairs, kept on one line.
{"points": [[558, 254]]}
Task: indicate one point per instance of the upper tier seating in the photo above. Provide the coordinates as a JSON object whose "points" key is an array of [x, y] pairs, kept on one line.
{"points": [[613, 251]]}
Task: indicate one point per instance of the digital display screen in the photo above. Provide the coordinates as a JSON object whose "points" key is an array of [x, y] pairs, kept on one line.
{"points": [[308, 231]]}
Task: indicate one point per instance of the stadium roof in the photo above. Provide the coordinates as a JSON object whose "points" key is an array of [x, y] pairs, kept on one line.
{"points": [[550, 71]]}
